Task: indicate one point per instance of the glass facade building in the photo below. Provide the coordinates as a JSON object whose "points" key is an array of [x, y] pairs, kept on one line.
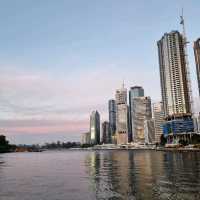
{"points": [[141, 111], [136, 91], [112, 115], [95, 127]]}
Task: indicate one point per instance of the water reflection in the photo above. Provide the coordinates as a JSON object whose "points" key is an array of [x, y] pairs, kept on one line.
{"points": [[144, 175]]}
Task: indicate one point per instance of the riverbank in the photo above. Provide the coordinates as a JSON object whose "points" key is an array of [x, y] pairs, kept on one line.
{"points": [[129, 147]]}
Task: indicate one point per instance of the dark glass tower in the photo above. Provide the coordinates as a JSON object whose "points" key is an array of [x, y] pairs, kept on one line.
{"points": [[112, 116]]}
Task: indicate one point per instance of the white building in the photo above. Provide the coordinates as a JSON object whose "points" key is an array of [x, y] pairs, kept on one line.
{"points": [[158, 115], [121, 115], [174, 78]]}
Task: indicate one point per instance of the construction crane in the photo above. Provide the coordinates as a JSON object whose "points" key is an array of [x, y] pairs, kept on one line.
{"points": [[185, 43]]}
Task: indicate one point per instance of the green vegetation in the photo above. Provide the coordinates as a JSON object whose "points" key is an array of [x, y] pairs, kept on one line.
{"points": [[5, 147]]}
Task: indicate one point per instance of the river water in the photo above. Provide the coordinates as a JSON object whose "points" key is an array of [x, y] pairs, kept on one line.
{"points": [[90, 175]]}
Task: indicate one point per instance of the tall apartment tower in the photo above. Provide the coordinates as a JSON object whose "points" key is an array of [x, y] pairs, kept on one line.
{"points": [[95, 127], [121, 115], [173, 75], [112, 116], [197, 59], [158, 116], [141, 111], [136, 91]]}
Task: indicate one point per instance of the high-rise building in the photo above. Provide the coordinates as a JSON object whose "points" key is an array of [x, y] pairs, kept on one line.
{"points": [[106, 133], [173, 75], [141, 111], [121, 96], [175, 86], [85, 138], [121, 116], [112, 116], [197, 59], [95, 127], [149, 131], [158, 115], [136, 91]]}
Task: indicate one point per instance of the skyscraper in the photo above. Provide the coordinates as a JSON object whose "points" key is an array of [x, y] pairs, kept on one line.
{"points": [[121, 115], [141, 111], [158, 115], [175, 86], [95, 127], [136, 91], [106, 133], [197, 60], [121, 96], [112, 115], [173, 75]]}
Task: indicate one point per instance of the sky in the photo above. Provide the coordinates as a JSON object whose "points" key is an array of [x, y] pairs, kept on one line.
{"points": [[59, 60]]}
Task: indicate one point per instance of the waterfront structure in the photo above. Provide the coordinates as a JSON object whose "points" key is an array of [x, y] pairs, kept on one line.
{"points": [[174, 75], [121, 115], [112, 116], [85, 138], [158, 116], [136, 91], [141, 111], [106, 133], [149, 131], [95, 127], [197, 60]]}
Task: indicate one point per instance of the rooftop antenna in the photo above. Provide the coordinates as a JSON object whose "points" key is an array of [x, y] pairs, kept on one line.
{"points": [[123, 84], [185, 43]]}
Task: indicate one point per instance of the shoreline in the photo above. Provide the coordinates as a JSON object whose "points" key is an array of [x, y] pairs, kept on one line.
{"points": [[138, 149]]}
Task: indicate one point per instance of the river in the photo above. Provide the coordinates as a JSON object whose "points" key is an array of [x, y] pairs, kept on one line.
{"points": [[90, 175]]}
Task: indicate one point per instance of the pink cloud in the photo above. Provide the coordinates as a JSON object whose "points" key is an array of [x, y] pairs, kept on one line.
{"points": [[43, 126]]}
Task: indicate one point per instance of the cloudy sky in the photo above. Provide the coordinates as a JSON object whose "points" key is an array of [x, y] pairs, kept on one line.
{"points": [[59, 60]]}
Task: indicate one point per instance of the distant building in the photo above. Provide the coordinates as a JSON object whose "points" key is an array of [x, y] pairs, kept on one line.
{"points": [[85, 138], [149, 131], [122, 124], [197, 59], [106, 133], [121, 96], [112, 116], [158, 115], [141, 111], [95, 127], [121, 116], [136, 91]]}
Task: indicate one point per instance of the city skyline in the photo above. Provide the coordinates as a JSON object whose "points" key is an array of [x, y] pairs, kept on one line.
{"points": [[46, 74]]}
